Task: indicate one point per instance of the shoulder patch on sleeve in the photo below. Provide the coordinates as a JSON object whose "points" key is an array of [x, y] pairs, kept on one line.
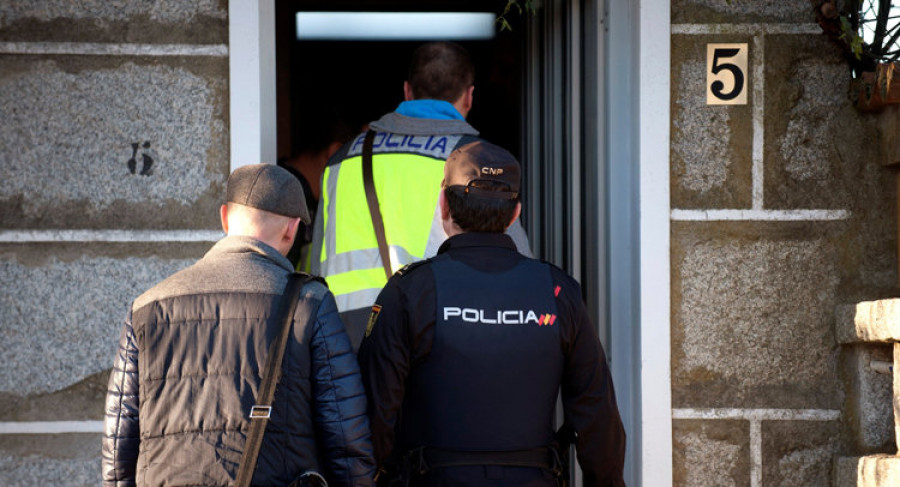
{"points": [[373, 316]]}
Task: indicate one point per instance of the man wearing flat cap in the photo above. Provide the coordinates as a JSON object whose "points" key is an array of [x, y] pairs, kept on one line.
{"points": [[465, 353], [193, 349]]}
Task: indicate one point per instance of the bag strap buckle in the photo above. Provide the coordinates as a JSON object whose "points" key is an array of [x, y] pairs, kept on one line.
{"points": [[260, 412]]}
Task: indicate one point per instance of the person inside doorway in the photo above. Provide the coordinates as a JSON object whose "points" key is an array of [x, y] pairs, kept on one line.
{"points": [[318, 132], [407, 149]]}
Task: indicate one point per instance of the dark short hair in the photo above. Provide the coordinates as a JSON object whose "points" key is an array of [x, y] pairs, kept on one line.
{"points": [[473, 213], [440, 71], [317, 125]]}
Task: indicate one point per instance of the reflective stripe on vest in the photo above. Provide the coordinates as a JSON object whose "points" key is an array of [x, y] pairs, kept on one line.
{"points": [[411, 215], [352, 300], [491, 379]]}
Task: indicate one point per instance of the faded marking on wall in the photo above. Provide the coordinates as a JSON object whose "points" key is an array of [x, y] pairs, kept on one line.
{"points": [[78, 153], [113, 49], [22, 236], [757, 414], [49, 427], [47, 10], [758, 78], [774, 28], [759, 215]]}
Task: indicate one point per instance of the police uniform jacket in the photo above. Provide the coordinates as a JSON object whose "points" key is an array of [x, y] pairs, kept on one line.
{"points": [[188, 371], [434, 321], [408, 155]]}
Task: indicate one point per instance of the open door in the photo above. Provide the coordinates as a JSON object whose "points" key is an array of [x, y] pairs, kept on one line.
{"points": [[572, 186], [540, 92], [362, 79]]}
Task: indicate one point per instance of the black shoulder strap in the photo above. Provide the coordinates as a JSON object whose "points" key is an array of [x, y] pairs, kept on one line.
{"points": [[372, 199], [259, 413]]}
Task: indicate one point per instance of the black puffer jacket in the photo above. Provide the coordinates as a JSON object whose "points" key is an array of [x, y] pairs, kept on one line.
{"points": [[187, 373]]}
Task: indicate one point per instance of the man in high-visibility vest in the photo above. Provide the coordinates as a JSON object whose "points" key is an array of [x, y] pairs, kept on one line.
{"points": [[369, 227]]}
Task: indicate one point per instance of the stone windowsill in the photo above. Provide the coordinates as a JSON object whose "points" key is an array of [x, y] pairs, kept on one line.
{"points": [[868, 321]]}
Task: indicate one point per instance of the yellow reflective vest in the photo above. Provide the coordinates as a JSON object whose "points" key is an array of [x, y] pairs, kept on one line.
{"points": [[408, 156]]}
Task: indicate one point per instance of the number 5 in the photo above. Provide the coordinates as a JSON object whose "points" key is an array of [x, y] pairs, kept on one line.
{"points": [[720, 74]]}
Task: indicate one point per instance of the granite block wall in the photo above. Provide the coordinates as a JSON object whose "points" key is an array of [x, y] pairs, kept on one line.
{"points": [[799, 453], [113, 155], [711, 153], [868, 409], [711, 453], [739, 11], [749, 330], [69, 154], [782, 210]]}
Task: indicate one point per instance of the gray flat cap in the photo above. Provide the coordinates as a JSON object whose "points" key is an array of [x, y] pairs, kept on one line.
{"points": [[269, 188]]}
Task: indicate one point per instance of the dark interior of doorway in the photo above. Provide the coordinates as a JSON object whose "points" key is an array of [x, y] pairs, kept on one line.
{"points": [[359, 81]]}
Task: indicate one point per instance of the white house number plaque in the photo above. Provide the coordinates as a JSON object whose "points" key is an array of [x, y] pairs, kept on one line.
{"points": [[726, 74]]}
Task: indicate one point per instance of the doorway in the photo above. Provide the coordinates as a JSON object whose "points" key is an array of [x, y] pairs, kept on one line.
{"points": [[358, 81], [541, 93]]}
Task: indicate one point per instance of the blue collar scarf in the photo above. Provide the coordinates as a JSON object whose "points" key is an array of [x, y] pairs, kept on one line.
{"points": [[433, 109]]}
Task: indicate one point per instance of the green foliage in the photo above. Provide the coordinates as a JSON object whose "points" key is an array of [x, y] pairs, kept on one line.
{"points": [[524, 7], [867, 30], [876, 29], [849, 36]]}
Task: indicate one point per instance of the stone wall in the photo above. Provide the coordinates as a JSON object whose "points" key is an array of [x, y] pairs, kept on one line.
{"points": [[113, 155], [781, 211]]}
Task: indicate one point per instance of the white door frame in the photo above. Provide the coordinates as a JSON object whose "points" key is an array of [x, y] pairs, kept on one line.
{"points": [[251, 84], [638, 55], [654, 52]]}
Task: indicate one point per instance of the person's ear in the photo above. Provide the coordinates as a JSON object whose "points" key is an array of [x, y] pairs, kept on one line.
{"points": [[332, 148], [407, 92], [290, 232], [223, 215], [516, 214], [445, 208], [450, 228], [470, 98]]}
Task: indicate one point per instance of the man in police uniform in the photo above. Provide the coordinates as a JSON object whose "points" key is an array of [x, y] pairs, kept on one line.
{"points": [[407, 150], [465, 352]]}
